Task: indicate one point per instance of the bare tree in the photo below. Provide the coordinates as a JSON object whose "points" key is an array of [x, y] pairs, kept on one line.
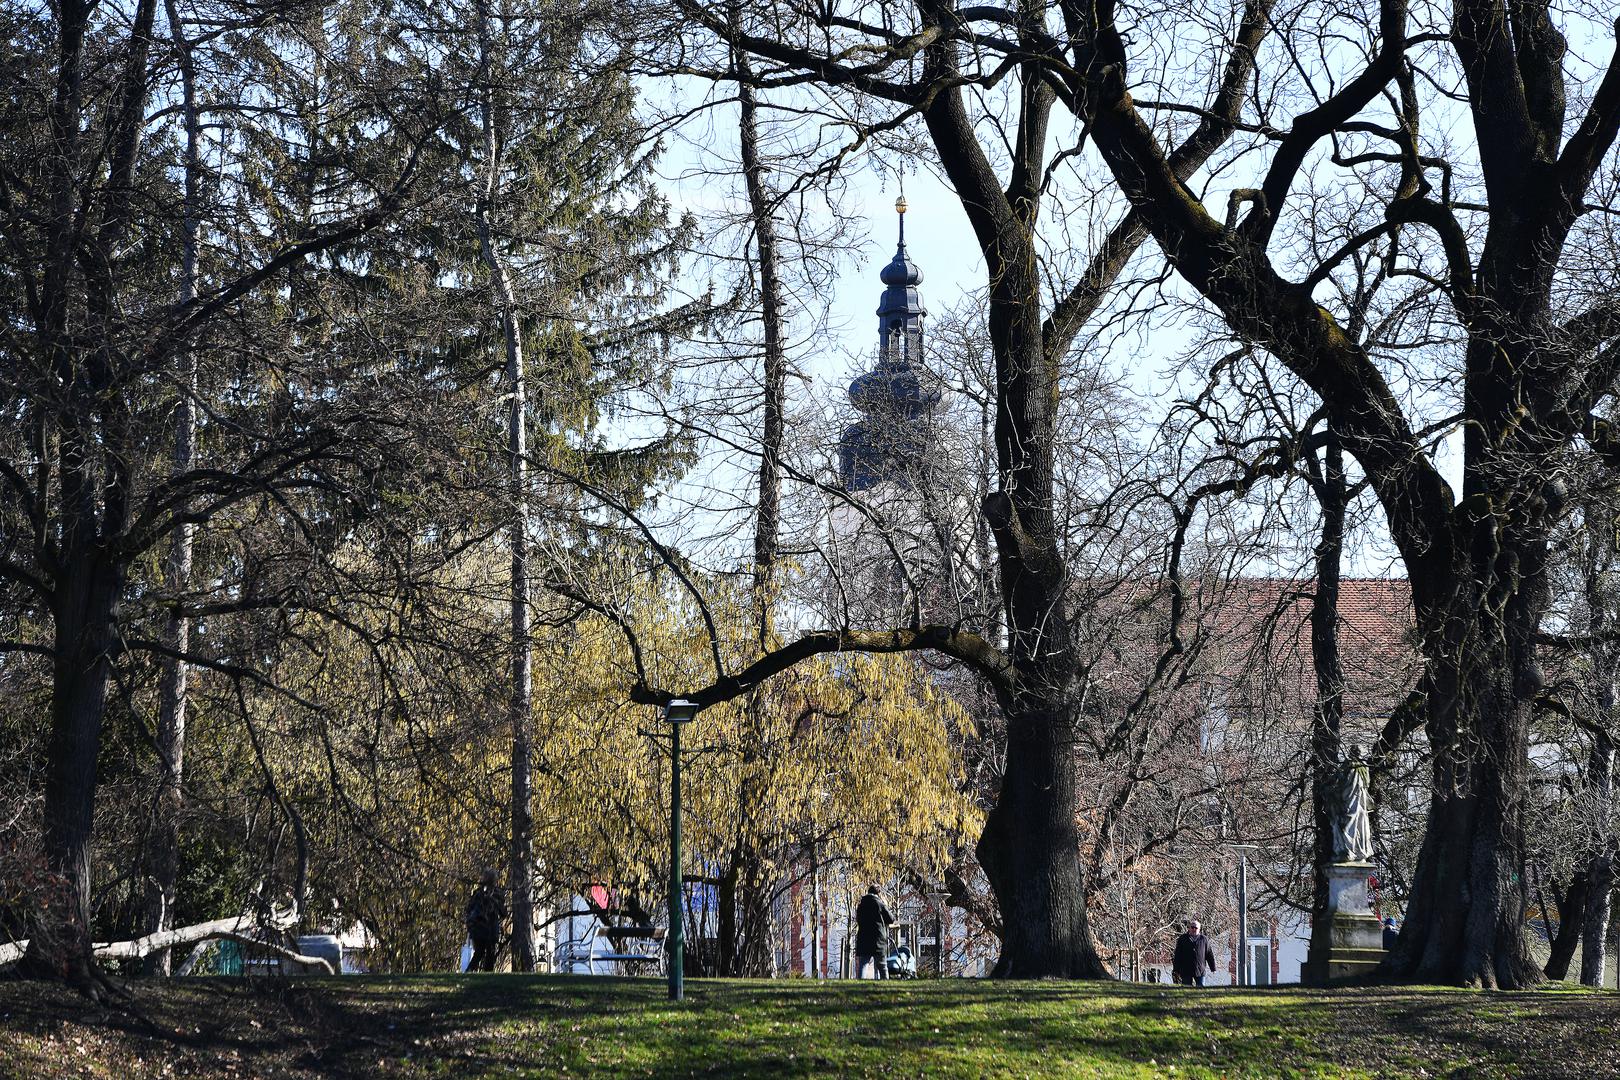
{"points": [[1530, 373], [1030, 846]]}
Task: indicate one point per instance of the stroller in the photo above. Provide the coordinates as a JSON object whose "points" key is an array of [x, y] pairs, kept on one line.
{"points": [[901, 964]]}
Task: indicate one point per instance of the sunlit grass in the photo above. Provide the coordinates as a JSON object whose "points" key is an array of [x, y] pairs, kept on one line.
{"points": [[545, 1026]]}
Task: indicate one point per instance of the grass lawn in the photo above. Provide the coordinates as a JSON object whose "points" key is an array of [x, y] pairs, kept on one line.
{"points": [[549, 1026]]}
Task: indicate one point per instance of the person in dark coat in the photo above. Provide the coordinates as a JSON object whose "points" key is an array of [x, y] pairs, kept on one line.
{"points": [[486, 914], [872, 921], [1391, 933], [1194, 958]]}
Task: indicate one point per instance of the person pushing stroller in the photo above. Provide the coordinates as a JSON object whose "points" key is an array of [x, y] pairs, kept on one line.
{"points": [[872, 922]]}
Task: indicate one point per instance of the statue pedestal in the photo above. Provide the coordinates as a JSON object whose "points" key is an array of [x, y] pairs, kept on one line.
{"points": [[1356, 945]]}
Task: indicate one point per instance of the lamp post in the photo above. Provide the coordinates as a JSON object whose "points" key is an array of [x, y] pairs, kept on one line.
{"points": [[677, 712], [1243, 972]]}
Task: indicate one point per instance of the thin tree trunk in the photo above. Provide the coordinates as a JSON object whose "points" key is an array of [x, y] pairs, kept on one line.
{"points": [[1600, 872], [748, 951], [1571, 909], [773, 383], [519, 701], [163, 851], [1600, 770], [754, 958], [1326, 749]]}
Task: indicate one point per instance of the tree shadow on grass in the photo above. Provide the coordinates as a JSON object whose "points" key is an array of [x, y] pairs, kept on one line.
{"points": [[541, 1026]]}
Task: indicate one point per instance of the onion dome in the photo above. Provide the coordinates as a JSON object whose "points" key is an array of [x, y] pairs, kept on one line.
{"points": [[894, 395]]}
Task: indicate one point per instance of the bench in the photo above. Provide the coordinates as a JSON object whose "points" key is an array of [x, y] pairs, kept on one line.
{"points": [[627, 945]]}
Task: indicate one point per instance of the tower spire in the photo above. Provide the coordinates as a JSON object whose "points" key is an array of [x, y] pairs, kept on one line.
{"points": [[894, 396]]}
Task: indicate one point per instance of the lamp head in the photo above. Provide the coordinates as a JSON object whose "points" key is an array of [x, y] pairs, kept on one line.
{"points": [[680, 711]]}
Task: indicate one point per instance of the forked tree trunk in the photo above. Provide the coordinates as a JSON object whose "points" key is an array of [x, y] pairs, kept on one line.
{"points": [[93, 487], [1571, 909]]}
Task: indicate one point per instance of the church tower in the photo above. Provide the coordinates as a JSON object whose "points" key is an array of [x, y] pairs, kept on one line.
{"points": [[890, 440], [894, 533]]}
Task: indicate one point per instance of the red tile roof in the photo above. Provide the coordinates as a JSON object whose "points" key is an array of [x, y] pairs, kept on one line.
{"points": [[1260, 642]]}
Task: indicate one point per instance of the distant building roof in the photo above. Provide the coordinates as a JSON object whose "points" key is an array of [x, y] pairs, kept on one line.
{"points": [[1263, 627]]}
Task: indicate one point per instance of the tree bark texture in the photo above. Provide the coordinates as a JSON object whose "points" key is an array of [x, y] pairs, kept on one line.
{"points": [[163, 847], [1465, 918], [1571, 910], [1328, 715], [773, 382], [1600, 871], [520, 857], [1030, 852]]}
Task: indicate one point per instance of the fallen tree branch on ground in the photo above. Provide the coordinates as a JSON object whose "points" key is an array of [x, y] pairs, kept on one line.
{"points": [[238, 928]]}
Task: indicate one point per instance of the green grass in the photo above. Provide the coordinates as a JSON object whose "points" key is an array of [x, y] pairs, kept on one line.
{"points": [[502, 1025]]}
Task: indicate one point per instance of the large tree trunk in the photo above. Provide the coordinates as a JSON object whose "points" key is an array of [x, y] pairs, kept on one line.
{"points": [[1030, 852], [1030, 848], [163, 845], [520, 856], [86, 605], [1466, 917]]}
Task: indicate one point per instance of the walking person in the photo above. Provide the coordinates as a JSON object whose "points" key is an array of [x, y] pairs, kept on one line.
{"points": [[486, 915], [872, 921], [1194, 958]]}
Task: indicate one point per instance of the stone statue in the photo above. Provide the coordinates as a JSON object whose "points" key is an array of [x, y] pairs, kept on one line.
{"points": [[1352, 829]]}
